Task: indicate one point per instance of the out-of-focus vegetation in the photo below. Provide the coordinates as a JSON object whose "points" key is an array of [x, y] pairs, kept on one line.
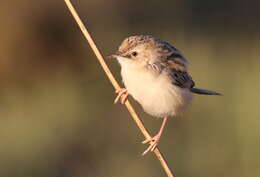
{"points": [[57, 117]]}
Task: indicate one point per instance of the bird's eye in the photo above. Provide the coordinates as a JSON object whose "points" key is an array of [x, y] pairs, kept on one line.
{"points": [[134, 54]]}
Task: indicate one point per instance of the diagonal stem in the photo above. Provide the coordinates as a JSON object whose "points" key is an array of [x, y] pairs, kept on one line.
{"points": [[116, 86]]}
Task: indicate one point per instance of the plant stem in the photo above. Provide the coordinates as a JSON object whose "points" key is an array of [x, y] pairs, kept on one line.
{"points": [[116, 86]]}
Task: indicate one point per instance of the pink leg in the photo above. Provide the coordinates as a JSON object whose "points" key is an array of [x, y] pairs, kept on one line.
{"points": [[122, 95], [155, 140]]}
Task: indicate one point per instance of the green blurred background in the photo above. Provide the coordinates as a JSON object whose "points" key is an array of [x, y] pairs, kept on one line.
{"points": [[57, 117]]}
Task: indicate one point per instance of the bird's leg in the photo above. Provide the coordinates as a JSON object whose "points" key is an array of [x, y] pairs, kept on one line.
{"points": [[155, 140], [122, 95]]}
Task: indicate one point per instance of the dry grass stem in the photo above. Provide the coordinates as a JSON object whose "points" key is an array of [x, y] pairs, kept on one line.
{"points": [[117, 87]]}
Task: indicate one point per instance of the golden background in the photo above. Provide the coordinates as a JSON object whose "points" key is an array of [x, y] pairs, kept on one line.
{"points": [[57, 117]]}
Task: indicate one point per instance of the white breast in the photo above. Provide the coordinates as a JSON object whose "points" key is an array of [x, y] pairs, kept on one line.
{"points": [[155, 92]]}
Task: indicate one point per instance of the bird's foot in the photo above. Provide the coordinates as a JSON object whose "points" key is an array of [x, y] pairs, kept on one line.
{"points": [[153, 143], [122, 95]]}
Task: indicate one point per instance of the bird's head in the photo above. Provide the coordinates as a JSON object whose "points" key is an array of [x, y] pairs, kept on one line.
{"points": [[142, 50]]}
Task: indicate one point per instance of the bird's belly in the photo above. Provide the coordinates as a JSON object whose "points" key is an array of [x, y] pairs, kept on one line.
{"points": [[156, 93]]}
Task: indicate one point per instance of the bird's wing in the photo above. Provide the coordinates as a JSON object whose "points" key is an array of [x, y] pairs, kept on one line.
{"points": [[176, 66], [181, 79]]}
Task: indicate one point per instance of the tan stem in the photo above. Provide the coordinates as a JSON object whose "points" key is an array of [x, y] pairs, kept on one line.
{"points": [[116, 85]]}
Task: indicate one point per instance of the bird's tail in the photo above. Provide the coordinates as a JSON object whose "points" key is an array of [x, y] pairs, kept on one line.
{"points": [[204, 92]]}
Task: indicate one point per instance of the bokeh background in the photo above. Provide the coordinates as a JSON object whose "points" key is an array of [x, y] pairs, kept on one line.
{"points": [[57, 117]]}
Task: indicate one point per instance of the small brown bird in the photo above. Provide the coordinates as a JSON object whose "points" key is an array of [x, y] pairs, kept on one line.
{"points": [[156, 74]]}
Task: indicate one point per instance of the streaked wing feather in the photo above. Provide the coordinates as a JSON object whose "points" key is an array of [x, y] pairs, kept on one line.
{"points": [[181, 79], [177, 68]]}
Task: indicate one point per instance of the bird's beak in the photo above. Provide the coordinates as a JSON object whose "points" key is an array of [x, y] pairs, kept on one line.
{"points": [[112, 56]]}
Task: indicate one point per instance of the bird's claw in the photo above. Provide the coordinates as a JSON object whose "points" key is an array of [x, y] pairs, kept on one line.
{"points": [[122, 95], [153, 143]]}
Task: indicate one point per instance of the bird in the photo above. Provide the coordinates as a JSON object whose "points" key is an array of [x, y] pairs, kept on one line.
{"points": [[155, 74]]}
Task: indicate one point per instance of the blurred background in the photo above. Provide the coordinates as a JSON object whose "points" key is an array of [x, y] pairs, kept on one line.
{"points": [[57, 117]]}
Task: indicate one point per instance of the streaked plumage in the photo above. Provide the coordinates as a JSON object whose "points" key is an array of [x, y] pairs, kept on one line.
{"points": [[157, 77], [156, 74]]}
